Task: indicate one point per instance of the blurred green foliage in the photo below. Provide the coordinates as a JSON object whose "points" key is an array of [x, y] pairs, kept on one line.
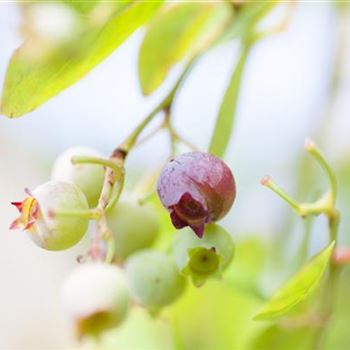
{"points": [[219, 315], [189, 27], [38, 71]]}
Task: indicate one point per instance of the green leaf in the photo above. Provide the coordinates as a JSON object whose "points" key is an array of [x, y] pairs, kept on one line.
{"points": [[82, 7], [247, 18], [32, 80], [180, 31], [299, 287], [277, 338], [226, 116], [213, 317], [245, 272], [152, 333]]}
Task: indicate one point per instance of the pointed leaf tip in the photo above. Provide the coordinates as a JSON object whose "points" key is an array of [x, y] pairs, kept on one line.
{"points": [[299, 287]]}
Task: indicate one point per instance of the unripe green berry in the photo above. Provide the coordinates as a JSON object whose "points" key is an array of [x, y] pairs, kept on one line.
{"points": [[41, 218], [134, 226], [205, 257], [154, 279], [96, 297], [88, 177]]}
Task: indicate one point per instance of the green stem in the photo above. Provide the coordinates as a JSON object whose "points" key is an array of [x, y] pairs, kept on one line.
{"points": [[267, 181], [317, 154], [116, 195], [150, 135], [175, 137], [171, 133], [164, 104], [115, 172], [110, 250], [97, 160]]}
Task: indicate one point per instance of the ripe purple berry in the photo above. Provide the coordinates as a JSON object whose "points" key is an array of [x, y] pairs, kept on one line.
{"points": [[197, 188]]}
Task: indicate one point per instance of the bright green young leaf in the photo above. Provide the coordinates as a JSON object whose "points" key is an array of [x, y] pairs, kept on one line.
{"points": [[225, 119], [32, 79], [298, 287], [179, 31]]}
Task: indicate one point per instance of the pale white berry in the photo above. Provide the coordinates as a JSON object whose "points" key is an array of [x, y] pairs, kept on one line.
{"points": [[96, 297], [88, 177]]}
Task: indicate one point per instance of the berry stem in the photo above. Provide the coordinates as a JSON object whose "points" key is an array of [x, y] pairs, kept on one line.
{"points": [[269, 183], [116, 195], [115, 172], [150, 135], [325, 206], [165, 104], [110, 250], [174, 135], [97, 160], [312, 149]]}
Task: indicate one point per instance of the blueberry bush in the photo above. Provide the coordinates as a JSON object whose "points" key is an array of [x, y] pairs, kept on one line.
{"points": [[162, 271]]}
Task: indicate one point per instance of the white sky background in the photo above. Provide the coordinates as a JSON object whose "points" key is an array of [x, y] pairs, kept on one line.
{"points": [[283, 90]]}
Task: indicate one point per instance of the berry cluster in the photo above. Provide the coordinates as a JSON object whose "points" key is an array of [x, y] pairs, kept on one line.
{"points": [[196, 188]]}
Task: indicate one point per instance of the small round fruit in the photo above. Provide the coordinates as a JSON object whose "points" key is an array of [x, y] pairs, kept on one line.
{"points": [[88, 177], [197, 188], [206, 257], [154, 279], [96, 297], [134, 226], [41, 215]]}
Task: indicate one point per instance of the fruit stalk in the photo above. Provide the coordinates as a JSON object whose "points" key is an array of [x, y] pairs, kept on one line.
{"points": [[116, 161]]}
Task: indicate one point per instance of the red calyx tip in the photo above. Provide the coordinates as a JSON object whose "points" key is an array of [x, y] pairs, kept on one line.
{"points": [[29, 211], [341, 256], [265, 181], [198, 230], [309, 144], [18, 205]]}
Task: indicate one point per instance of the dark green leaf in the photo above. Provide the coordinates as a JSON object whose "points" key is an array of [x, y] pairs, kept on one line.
{"points": [[31, 80], [299, 287], [180, 31]]}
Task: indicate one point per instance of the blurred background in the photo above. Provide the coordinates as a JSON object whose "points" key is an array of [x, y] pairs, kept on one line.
{"points": [[287, 94]]}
